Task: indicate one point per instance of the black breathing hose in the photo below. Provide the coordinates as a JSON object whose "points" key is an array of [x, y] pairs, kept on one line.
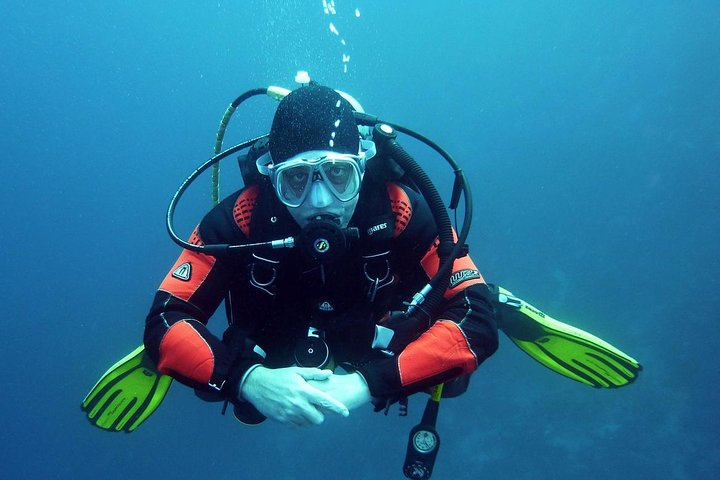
{"points": [[442, 219], [169, 217]]}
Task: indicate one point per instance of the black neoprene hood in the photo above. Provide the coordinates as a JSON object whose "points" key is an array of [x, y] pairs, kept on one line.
{"points": [[313, 117]]}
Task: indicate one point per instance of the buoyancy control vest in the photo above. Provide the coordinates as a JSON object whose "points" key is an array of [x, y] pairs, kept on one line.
{"points": [[278, 296]]}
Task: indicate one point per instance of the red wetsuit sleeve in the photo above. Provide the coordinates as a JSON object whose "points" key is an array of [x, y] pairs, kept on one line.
{"points": [[461, 336], [176, 335]]}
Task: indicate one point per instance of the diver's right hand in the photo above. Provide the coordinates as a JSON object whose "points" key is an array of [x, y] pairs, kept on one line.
{"points": [[284, 394]]}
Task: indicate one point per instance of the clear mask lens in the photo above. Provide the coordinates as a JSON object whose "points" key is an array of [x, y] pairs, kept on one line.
{"points": [[293, 178]]}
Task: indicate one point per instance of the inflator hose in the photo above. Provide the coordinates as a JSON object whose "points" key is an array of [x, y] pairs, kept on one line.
{"points": [[215, 176]]}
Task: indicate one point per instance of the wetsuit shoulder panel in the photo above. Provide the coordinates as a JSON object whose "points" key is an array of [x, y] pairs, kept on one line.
{"points": [[243, 208], [400, 206], [189, 271], [464, 272]]}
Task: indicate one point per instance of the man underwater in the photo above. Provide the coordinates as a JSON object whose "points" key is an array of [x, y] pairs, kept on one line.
{"points": [[284, 301]]}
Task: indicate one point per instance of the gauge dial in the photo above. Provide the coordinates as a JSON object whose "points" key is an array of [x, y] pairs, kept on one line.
{"points": [[424, 441]]}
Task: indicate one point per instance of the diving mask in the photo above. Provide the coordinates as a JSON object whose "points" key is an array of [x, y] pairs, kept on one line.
{"points": [[340, 173]]}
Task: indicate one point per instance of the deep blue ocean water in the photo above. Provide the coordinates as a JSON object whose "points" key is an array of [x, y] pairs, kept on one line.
{"points": [[589, 131]]}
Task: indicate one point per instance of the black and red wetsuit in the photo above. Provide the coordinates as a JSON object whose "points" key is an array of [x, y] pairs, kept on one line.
{"points": [[272, 297]]}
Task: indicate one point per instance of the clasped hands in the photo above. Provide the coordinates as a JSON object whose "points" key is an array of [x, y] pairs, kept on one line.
{"points": [[303, 396]]}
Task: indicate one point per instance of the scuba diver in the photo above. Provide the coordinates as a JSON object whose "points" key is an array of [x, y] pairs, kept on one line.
{"points": [[293, 314], [344, 284]]}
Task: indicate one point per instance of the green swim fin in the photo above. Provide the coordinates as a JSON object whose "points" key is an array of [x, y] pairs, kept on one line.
{"points": [[127, 394], [563, 348]]}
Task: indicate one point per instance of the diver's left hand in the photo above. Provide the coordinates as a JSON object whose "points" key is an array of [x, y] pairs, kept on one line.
{"points": [[349, 389]]}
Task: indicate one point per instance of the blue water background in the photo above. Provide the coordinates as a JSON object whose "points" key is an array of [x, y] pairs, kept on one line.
{"points": [[589, 131]]}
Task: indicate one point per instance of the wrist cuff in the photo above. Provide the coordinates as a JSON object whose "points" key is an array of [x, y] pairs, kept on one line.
{"points": [[242, 380]]}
